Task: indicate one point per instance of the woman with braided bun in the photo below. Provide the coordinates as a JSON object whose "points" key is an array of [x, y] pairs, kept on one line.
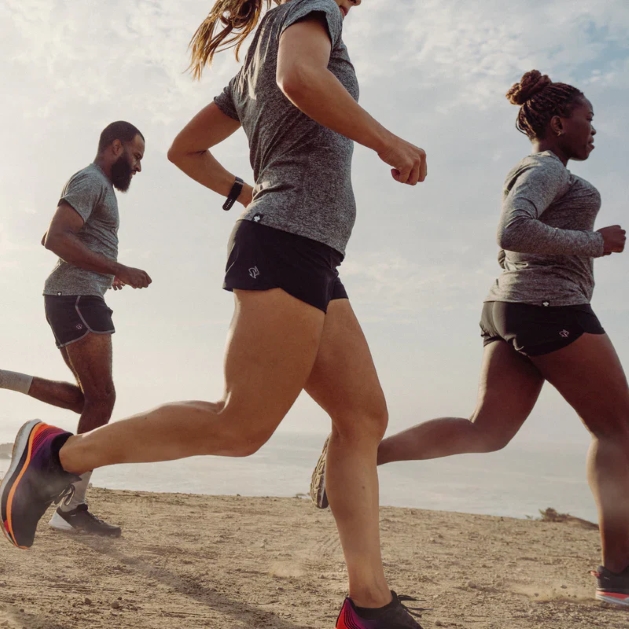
{"points": [[293, 328], [537, 323]]}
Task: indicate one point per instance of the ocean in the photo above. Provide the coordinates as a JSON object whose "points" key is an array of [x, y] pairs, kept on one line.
{"points": [[516, 482]]}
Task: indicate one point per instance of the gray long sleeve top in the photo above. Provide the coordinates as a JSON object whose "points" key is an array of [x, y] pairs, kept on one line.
{"points": [[546, 235]]}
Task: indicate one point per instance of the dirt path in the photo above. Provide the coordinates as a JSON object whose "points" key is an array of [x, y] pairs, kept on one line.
{"points": [[275, 563]]}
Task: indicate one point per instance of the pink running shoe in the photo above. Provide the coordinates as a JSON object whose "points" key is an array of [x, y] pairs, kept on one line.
{"points": [[394, 616], [34, 481]]}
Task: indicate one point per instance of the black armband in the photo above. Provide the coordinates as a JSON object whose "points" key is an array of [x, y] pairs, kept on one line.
{"points": [[234, 193]]}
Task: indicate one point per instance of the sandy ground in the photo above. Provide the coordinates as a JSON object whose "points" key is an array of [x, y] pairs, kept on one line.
{"points": [[275, 563]]}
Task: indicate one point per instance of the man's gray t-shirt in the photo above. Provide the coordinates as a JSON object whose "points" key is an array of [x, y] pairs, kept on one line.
{"points": [[302, 170], [92, 195], [546, 233]]}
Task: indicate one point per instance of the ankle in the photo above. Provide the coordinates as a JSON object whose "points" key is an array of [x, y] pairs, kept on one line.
{"points": [[371, 599], [66, 457]]}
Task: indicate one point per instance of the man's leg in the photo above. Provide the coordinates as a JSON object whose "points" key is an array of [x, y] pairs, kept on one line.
{"points": [[61, 394], [90, 359]]}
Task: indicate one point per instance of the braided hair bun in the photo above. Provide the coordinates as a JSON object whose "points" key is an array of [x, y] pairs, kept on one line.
{"points": [[531, 84]]}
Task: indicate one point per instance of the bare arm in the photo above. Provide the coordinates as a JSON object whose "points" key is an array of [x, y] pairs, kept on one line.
{"points": [[61, 239], [190, 151], [303, 76]]}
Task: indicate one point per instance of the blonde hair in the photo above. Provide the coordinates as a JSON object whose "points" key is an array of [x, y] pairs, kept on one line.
{"points": [[238, 17]]}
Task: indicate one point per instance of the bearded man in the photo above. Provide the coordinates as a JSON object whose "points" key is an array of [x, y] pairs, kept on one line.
{"points": [[84, 234]]}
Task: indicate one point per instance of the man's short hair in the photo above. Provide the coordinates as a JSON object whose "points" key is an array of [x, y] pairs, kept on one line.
{"points": [[120, 130]]}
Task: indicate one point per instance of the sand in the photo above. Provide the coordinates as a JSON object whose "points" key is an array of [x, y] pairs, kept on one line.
{"points": [[229, 562]]}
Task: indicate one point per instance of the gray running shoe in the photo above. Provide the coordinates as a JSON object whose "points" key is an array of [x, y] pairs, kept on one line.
{"points": [[80, 520], [612, 588], [317, 483]]}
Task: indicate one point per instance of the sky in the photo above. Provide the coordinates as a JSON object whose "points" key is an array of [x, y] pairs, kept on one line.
{"points": [[420, 260]]}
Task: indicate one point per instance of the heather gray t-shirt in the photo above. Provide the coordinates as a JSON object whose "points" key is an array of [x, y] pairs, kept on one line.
{"points": [[92, 195], [302, 170], [546, 232]]}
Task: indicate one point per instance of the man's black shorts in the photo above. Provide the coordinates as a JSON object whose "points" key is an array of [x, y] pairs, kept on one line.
{"points": [[537, 330], [262, 257], [72, 317]]}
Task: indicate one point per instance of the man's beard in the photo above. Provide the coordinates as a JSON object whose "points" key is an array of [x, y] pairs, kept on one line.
{"points": [[121, 173]]}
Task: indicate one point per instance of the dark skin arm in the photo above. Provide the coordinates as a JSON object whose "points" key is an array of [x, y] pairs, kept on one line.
{"points": [[61, 239]]}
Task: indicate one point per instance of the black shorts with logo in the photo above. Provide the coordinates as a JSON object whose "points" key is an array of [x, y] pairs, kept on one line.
{"points": [[72, 317], [536, 330], [262, 257]]}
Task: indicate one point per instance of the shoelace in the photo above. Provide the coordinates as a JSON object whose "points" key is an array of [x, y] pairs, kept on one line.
{"points": [[413, 611], [64, 496]]}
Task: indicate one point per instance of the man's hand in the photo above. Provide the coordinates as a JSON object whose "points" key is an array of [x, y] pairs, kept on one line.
{"points": [[118, 284], [136, 278]]}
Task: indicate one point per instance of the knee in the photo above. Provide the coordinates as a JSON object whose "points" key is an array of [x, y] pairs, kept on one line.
{"points": [[486, 441], [370, 423], [492, 443], [244, 445], [614, 429], [102, 399]]}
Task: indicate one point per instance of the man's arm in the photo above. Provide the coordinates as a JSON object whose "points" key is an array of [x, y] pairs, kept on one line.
{"points": [[61, 238]]}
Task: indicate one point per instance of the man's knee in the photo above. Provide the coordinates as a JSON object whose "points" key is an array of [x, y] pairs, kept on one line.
{"points": [[102, 399]]}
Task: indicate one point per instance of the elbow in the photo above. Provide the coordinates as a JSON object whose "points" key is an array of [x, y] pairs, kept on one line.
{"points": [[294, 83], [174, 155], [504, 240], [51, 242]]}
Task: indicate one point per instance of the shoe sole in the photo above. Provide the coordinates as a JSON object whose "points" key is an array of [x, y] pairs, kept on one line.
{"points": [[613, 598], [317, 483], [23, 444]]}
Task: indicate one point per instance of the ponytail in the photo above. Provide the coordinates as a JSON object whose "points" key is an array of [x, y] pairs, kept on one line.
{"points": [[238, 19]]}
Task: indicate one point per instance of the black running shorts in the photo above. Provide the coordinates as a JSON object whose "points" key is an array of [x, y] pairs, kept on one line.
{"points": [[262, 257], [72, 317], [537, 330]]}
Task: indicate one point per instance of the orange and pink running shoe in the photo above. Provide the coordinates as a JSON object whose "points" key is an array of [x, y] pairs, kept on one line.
{"points": [[612, 588], [34, 480], [394, 616]]}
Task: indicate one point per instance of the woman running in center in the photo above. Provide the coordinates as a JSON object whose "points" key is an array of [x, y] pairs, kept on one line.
{"points": [[537, 323], [293, 327]]}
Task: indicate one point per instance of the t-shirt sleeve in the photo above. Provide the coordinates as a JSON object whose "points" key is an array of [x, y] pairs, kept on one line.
{"points": [[529, 194], [225, 101], [83, 192], [327, 8]]}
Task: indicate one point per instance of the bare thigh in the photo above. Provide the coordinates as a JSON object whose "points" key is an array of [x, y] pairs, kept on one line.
{"points": [[343, 380], [90, 359], [272, 345], [590, 377], [66, 360], [508, 390]]}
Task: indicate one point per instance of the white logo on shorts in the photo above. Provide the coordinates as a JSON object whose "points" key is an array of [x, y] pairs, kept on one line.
{"points": [[564, 333], [254, 272], [79, 326]]}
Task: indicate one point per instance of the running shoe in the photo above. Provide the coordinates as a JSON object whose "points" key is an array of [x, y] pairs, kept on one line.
{"points": [[612, 588], [317, 482], [394, 616], [34, 481], [80, 520]]}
